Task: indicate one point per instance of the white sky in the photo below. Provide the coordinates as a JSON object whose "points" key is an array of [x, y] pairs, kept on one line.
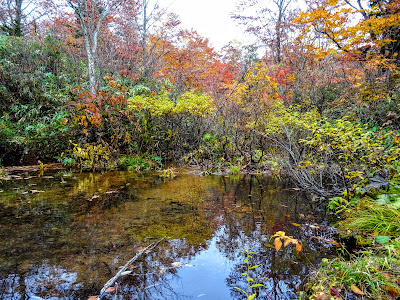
{"points": [[210, 18]]}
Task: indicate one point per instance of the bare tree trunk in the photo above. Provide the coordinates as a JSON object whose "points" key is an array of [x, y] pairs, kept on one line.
{"points": [[91, 69], [91, 24], [12, 20], [150, 14]]}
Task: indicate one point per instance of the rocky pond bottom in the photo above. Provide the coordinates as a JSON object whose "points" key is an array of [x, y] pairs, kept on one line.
{"points": [[64, 235]]}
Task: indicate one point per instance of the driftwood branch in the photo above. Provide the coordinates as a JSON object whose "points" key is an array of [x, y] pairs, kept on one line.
{"points": [[123, 269]]}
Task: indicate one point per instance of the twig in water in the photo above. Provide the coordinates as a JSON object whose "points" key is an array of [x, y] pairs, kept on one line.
{"points": [[267, 293], [114, 279]]}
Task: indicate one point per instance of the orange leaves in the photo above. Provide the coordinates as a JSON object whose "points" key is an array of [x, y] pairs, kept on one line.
{"points": [[280, 235], [299, 246], [193, 63], [110, 289], [278, 244], [321, 296], [360, 35], [90, 109], [356, 290], [335, 20]]}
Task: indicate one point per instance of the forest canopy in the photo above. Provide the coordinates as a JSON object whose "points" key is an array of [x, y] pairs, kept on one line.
{"points": [[125, 76]]}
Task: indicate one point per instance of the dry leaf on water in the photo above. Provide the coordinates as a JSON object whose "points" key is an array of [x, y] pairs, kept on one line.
{"points": [[356, 290], [299, 247], [110, 289]]}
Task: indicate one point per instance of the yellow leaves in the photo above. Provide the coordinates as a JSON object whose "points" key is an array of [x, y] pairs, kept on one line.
{"points": [[280, 235], [354, 174], [189, 102], [283, 118], [304, 164], [64, 121], [158, 106], [258, 86], [194, 103], [91, 154]]}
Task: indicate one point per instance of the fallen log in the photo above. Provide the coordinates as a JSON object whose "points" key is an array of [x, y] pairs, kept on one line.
{"points": [[123, 269]]}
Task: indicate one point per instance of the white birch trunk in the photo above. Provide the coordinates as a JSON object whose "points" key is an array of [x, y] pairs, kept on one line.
{"points": [[91, 32]]}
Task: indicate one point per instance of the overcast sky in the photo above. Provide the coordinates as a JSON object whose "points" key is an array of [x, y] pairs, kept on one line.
{"points": [[210, 18]]}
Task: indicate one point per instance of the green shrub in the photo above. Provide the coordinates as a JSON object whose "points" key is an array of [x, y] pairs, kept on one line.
{"points": [[140, 163], [35, 80]]}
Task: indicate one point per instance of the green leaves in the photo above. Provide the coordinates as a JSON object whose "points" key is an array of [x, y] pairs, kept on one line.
{"points": [[391, 200], [338, 204], [249, 279], [382, 239]]}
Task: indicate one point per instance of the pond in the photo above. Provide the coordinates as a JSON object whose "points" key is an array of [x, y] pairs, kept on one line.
{"points": [[64, 235]]}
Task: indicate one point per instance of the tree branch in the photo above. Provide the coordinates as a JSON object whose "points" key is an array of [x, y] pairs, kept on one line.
{"points": [[114, 279]]}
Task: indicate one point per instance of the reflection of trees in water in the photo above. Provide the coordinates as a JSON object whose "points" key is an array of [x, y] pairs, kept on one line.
{"points": [[37, 282], [91, 239], [279, 272], [154, 276], [271, 211], [149, 279]]}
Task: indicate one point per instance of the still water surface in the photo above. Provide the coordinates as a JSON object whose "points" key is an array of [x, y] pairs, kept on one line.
{"points": [[65, 235]]}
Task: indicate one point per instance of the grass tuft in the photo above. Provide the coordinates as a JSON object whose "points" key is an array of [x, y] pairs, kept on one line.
{"points": [[371, 218]]}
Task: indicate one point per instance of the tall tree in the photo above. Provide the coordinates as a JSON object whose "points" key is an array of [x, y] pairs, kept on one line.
{"points": [[91, 15], [193, 64], [145, 31], [368, 31], [153, 24], [268, 25], [17, 15]]}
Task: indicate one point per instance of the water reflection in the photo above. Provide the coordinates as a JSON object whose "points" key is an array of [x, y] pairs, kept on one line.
{"points": [[65, 235]]}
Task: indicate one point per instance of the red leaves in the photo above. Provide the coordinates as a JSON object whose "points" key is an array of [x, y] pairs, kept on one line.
{"points": [[335, 294], [90, 109], [194, 63]]}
